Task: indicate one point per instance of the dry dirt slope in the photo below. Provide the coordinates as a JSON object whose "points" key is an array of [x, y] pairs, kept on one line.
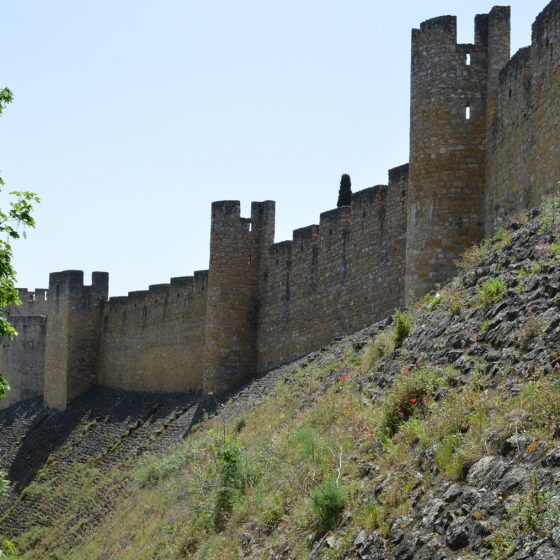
{"points": [[434, 436]]}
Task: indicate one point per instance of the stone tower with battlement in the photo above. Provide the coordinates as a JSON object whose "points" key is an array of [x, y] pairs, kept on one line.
{"points": [[484, 144], [453, 96], [74, 314], [238, 254]]}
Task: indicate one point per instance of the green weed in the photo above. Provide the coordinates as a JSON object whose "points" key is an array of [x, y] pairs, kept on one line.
{"points": [[402, 326], [4, 483], [531, 329], [154, 470], [380, 347], [8, 549], [328, 502], [409, 395], [491, 292], [432, 301], [232, 479]]}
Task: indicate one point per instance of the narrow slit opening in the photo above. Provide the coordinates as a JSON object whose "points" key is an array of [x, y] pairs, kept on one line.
{"points": [[468, 112], [468, 59]]}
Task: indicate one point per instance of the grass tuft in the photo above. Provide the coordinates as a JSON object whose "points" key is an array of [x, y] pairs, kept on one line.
{"points": [[491, 292], [402, 326]]}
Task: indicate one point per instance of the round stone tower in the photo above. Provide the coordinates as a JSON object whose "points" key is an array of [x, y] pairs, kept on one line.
{"points": [[449, 87]]}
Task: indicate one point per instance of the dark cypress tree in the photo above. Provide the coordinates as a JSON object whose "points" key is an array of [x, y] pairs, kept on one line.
{"points": [[345, 191]]}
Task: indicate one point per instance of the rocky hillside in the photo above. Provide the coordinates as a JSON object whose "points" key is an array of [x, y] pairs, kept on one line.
{"points": [[432, 435]]}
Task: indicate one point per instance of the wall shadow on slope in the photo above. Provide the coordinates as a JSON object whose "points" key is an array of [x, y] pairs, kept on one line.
{"points": [[46, 431]]}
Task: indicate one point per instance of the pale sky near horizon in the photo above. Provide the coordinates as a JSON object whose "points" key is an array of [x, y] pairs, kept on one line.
{"points": [[130, 117]]}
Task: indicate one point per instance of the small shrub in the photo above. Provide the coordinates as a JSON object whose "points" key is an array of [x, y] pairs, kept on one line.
{"points": [[549, 216], [502, 546], [369, 516], [8, 549], [355, 361], [351, 358], [454, 301], [554, 250], [537, 512], [240, 423], [402, 326], [231, 480], [37, 490], [381, 346], [450, 459], [541, 405], [432, 301], [471, 258], [307, 444], [491, 292], [532, 328], [328, 502], [4, 483], [407, 396], [413, 431], [485, 326], [153, 471], [500, 240], [4, 387], [272, 509], [147, 475]]}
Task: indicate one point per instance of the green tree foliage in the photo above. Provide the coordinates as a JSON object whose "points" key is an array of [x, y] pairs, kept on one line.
{"points": [[16, 217], [345, 191]]}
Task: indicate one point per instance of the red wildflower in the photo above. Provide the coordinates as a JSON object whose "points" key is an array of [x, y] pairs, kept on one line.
{"points": [[412, 401], [344, 378]]}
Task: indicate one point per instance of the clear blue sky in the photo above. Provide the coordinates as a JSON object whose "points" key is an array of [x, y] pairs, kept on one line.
{"points": [[130, 117]]}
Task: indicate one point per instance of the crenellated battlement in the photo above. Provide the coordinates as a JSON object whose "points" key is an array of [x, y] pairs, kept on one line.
{"points": [[158, 294], [38, 295], [32, 303], [305, 238], [483, 145], [436, 32]]}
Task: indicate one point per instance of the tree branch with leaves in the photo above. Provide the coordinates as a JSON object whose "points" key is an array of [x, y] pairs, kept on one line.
{"points": [[14, 221]]}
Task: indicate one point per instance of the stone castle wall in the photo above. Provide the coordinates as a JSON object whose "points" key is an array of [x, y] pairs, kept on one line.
{"points": [[484, 144], [154, 340], [23, 359], [331, 279], [523, 156]]}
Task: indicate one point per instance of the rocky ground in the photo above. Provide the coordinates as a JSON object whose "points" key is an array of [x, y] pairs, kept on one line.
{"points": [[517, 340], [497, 325]]}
